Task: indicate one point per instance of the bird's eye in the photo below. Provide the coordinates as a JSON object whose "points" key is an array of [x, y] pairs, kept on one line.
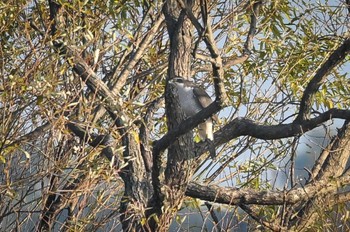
{"points": [[178, 80]]}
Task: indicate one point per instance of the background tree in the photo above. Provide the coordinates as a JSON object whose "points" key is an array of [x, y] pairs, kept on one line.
{"points": [[84, 142]]}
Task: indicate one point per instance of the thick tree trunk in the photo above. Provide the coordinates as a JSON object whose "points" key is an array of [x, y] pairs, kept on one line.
{"points": [[137, 189], [181, 154]]}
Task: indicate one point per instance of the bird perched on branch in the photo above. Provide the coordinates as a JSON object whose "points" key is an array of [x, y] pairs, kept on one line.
{"points": [[192, 99]]}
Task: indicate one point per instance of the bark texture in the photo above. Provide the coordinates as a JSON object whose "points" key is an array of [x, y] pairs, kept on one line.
{"points": [[181, 152]]}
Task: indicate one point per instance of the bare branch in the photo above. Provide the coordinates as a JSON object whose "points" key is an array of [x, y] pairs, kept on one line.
{"points": [[213, 215], [242, 126], [219, 170], [234, 196]]}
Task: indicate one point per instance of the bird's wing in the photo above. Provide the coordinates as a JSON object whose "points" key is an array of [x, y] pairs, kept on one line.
{"points": [[202, 96], [203, 100]]}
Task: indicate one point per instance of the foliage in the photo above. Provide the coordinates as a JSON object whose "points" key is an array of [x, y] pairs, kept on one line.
{"points": [[44, 162]]}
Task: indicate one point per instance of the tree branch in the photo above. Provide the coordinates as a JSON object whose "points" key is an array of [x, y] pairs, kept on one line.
{"points": [[248, 45], [184, 127], [146, 152], [138, 54], [272, 226], [333, 60], [95, 140], [94, 83], [84, 71], [337, 155], [340, 198], [242, 126], [334, 156], [31, 135], [216, 61], [136, 183], [232, 196], [213, 215], [54, 9]]}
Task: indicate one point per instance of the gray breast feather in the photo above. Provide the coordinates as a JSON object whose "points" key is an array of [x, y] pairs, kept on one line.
{"points": [[188, 101]]}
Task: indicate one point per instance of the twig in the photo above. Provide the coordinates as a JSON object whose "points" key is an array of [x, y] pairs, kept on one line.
{"points": [[256, 217], [213, 215], [248, 45]]}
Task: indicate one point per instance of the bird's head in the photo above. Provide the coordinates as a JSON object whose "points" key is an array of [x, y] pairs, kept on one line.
{"points": [[180, 82]]}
